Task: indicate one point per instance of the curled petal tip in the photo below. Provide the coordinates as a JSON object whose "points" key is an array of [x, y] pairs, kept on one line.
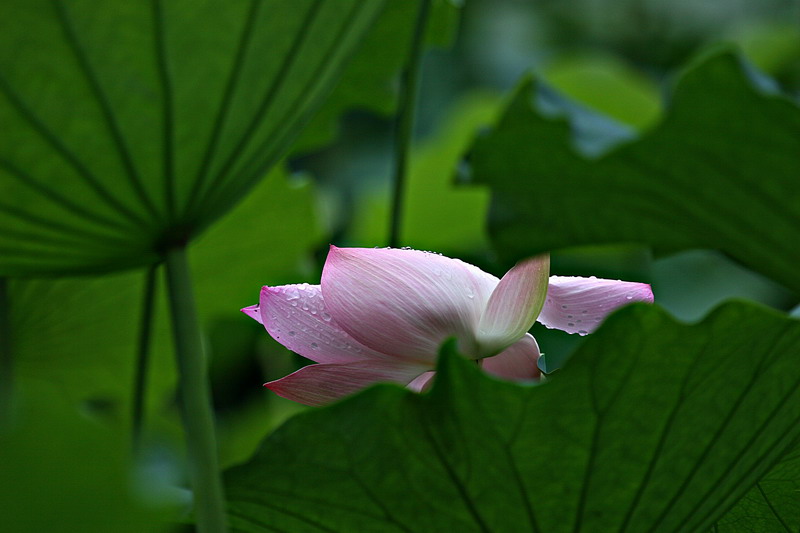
{"points": [[253, 311], [648, 293]]}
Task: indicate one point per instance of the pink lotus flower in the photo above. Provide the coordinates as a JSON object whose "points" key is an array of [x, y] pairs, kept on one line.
{"points": [[381, 315]]}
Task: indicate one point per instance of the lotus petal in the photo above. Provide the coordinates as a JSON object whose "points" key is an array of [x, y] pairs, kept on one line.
{"points": [[322, 384], [253, 312], [405, 303], [579, 305], [422, 382], [517, 362], [297, 317], [514, 305]]}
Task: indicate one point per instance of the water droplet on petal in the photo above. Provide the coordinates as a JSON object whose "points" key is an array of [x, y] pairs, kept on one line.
{"points": [[292, 333], [571, 324], [563, 307], [314, 345], [325, 316], [629, 297], [583, 332]]}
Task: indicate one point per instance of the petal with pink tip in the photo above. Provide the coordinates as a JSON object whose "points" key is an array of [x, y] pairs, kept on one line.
{"points": [[297, 317], [405, 302], [579, 305], [322, 384], [253, 312], [514, 305], [517, 362]]}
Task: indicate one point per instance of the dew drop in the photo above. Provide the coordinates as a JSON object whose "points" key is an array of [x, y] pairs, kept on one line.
{"points": [[325, 316], [582, 332], [292, 333], [469, 292], [314, 345], [584, 312], [629, 297], [571, 324], [570, 316], [563, 307]]}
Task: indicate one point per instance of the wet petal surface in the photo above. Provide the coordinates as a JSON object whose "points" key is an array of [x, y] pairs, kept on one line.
{"points": [[579, 305]]}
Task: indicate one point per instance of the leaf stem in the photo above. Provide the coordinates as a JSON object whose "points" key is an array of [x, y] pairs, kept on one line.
{"points": [[404, 125], [143, 356], [195, 397], [6, 356]]}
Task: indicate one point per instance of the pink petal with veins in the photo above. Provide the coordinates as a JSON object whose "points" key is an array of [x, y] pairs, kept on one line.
{"points": [[405, 302], [514, 305], [517, 362], [325, 383], [297, 317], [579, 305]]}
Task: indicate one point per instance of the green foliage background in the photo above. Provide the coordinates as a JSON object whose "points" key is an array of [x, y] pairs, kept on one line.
{"points": [[647, 141]]}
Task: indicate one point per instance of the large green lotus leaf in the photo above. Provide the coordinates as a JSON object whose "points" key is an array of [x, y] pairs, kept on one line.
{"points": [[80, 334], [719, 172], [63, 472], [606, 84], [772, 505], [130, 126], [651, 426]]}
